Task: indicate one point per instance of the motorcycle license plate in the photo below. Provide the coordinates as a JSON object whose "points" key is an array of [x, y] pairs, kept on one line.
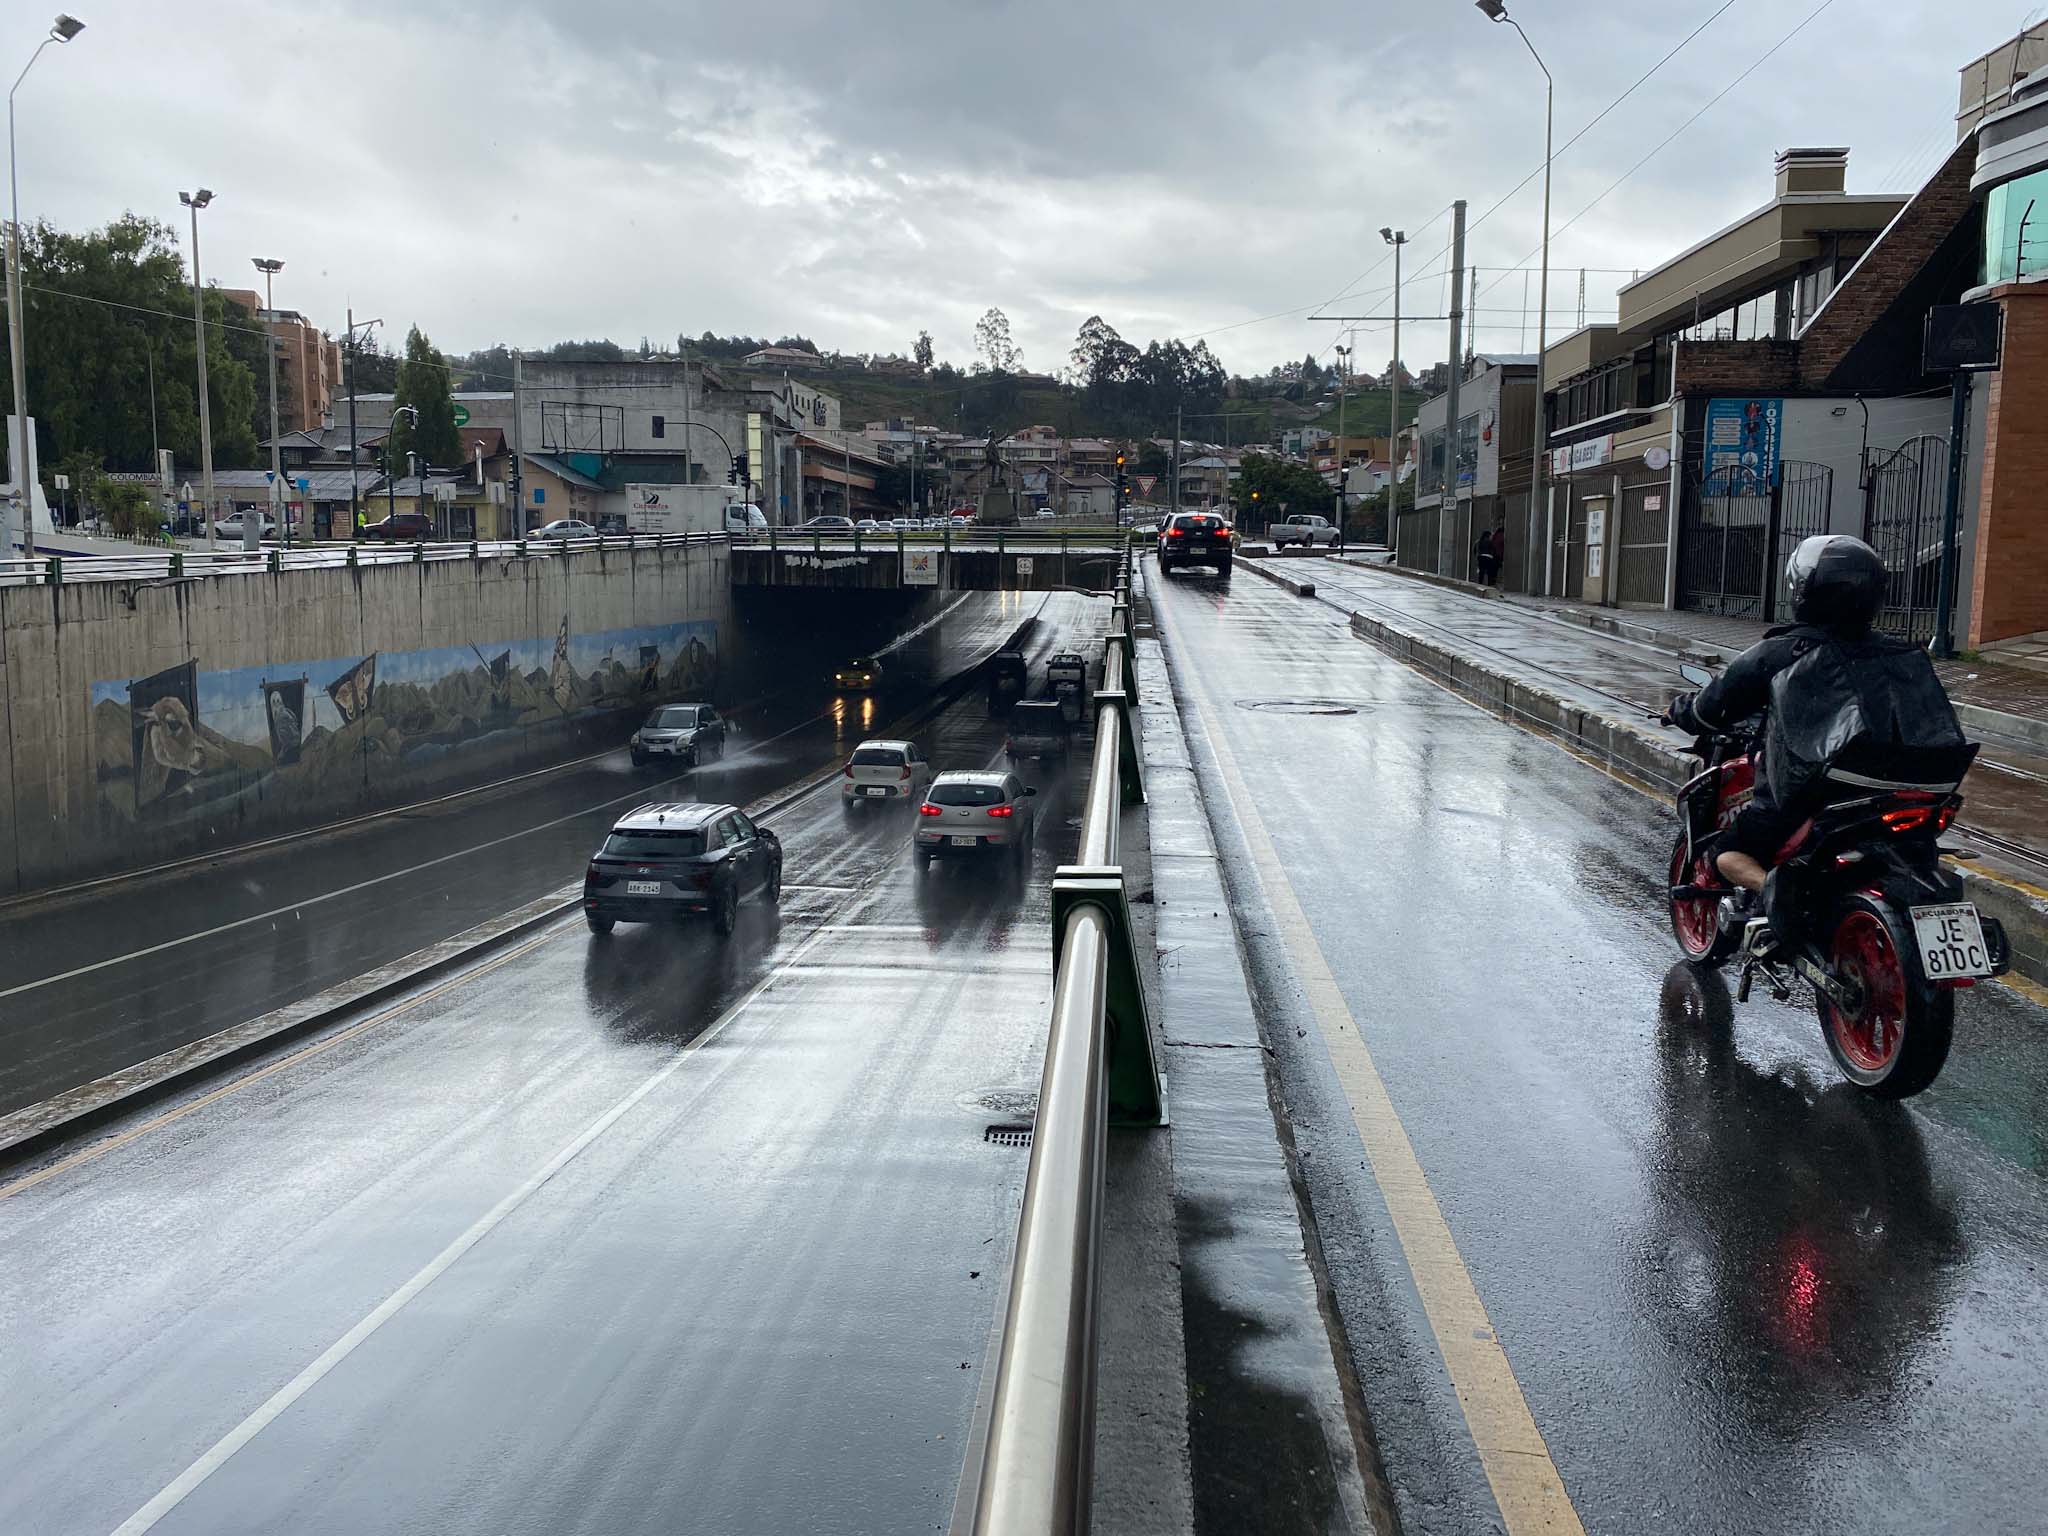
{"points": [[643, 887], [1951, 941]]}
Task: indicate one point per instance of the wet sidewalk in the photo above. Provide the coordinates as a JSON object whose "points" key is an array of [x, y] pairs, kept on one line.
{"points": [[1548, 657]]}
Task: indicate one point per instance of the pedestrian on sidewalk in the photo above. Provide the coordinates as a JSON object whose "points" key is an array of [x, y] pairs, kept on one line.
{"points": [[1485, 563]]}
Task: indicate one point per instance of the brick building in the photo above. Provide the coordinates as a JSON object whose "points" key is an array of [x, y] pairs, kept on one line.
{"points": [[308, 364]]}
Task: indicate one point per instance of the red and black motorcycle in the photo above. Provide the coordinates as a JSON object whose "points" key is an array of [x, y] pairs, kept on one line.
{"points": [[1885, 937]]}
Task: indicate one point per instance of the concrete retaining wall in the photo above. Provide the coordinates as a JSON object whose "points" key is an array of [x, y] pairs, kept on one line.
{"points": [[146, 721]]}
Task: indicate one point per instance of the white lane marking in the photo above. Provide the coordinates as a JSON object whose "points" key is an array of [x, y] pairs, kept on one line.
{"points": [[179, 1488], [641, 793]]}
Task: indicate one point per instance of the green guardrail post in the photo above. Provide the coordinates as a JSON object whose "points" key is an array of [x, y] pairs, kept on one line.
{"points": [[177, 562], [275, 561], [771, 539], [519, 548], [1136, 1097], [473, 550], [419, 553], [56, 571]]}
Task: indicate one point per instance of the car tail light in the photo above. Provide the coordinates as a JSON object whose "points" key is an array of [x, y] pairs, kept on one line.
{"points": [[700, 878], [928, 809], [1001, 810], [905, 773], [849, 768], [1173, 533]]}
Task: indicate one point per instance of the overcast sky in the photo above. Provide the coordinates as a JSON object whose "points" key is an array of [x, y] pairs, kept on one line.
{"points": [[526, 172]]}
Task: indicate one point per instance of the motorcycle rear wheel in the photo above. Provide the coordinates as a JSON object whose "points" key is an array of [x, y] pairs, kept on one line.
{"points": [[1895, 1041], [1696, 920]]}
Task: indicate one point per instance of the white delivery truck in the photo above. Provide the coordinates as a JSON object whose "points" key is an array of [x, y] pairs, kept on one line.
{"points": [[689, 509]]}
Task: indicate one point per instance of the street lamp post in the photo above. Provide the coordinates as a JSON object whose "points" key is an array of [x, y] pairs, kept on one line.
{"points": [[270, 269], [196, 201], [1396, 238], [1538, 450], [62, 30], [1343, 383], [348, 358], [391, 480]]}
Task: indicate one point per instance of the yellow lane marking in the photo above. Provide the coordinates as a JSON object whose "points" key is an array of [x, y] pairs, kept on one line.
{"points": [[325, 1043], [1512, 1452]]}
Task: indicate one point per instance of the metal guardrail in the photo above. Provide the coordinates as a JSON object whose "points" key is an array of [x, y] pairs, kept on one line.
{"points": [[1031, 1472], [161, 564]]}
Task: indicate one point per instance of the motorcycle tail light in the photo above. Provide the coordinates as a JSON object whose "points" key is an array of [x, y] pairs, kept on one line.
{"points": [[1908, 818], [928, 809], [1944, 818]]}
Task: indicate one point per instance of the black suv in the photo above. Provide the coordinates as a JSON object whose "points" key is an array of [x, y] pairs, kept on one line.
{"points": [[1009, 679], [665, 860], [1195, 538]]}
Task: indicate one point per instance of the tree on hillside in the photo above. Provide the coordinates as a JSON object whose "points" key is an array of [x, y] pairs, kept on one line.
{"points": [[423, 385], [106, 310], [992, 344], [922, 350]]}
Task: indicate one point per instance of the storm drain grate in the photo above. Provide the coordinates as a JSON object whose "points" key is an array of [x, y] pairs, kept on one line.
{"points": [[1007, 1135]]}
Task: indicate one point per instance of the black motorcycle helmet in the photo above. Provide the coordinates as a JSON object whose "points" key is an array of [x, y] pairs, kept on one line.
{"points": [[1835, 581]]}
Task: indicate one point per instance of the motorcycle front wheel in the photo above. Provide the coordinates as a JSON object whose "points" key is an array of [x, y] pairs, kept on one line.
{"points": [[1894, 1039], [1696, 920]]}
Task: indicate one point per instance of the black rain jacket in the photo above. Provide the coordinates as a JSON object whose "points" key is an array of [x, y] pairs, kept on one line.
{"points": [[1872, 704]]}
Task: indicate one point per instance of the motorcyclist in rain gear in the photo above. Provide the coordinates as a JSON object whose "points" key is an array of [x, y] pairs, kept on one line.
{"points": [[1840, 700]]}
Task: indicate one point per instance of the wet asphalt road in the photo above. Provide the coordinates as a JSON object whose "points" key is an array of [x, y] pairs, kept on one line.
{"points": [[1736, 1295], [114, 975], [654, 1232]]}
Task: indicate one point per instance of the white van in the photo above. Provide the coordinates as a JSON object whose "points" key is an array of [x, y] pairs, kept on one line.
{"points": [[744, 517]]}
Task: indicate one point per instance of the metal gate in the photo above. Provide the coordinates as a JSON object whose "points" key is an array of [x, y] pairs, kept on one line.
{"points": [[1736, 532], [1904, 500]]}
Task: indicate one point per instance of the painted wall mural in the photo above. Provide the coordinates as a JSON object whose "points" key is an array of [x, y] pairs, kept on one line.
{"points": [[187, 740]]}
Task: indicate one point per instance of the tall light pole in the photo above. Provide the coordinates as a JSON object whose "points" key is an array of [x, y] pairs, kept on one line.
{"points": [[1396, 238], [1343, 382], [270, 269], [196, 201], [1539, 450], [62, 30]]}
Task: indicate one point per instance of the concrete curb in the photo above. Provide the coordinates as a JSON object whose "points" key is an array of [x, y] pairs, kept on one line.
{"points": [[1644, 756], [2022, 730], [1429, 578], [1298, 588]]}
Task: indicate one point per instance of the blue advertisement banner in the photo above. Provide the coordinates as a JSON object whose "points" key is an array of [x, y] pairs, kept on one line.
{"points": [[1742, 444]]}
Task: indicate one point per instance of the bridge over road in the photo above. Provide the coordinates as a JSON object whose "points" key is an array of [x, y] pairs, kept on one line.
{"points": [[985, 563]]}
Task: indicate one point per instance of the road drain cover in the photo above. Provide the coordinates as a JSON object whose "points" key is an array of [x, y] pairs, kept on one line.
{"points": [[1299, 706], [1007, 1135]]}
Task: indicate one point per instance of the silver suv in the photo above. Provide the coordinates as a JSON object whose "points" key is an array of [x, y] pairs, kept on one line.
{"points": [[686, 733], [975, 814]]}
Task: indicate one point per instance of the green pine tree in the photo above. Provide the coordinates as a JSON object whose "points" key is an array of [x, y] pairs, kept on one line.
{"points": [[423, 385]]}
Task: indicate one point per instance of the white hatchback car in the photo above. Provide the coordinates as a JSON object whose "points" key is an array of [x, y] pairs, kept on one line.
{"points": [[886, 773]]}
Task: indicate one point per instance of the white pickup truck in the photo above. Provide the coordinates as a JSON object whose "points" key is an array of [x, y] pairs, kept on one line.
{"points": [[1306, 530]]}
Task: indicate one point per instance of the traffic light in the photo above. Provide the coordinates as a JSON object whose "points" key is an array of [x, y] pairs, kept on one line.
{"points": [[738, 475]]}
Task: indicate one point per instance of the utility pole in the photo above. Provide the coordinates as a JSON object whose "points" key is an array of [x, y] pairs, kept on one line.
{"points": [[1176, 459], [1343, 384], [519, 447], [1447, 508], [686, 410], [270, 269]]}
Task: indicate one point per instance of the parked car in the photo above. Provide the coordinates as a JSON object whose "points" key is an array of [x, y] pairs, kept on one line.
{"points": [[686, 733], [1306, 530], [829, 524], [1038, 728], [861, 672], [885, 771], [870, 525], [183, 525], [666, 860], [1046, 513], [230, 527], [566, 528], [974, 814], [400, 525], [902, 522], [1009, 679], [1196, 538]]}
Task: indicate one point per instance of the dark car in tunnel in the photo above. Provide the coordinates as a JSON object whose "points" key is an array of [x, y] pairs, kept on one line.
{"points": [[667, 860]]}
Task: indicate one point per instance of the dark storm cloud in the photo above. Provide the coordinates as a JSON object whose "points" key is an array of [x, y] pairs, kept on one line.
{"points": [[529, 171]]}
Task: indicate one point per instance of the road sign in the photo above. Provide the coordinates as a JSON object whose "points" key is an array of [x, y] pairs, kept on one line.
{"points": [[63, 482], [462, 415], [304, 484], [1023, 565]]}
